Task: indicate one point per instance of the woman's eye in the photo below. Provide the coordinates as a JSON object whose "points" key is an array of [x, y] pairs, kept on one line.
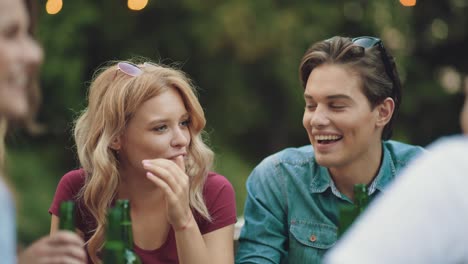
{"points": [[185, 122], [160, 128]]}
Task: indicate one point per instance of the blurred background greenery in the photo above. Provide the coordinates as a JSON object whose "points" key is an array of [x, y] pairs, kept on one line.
{"points": [[243, 56]]}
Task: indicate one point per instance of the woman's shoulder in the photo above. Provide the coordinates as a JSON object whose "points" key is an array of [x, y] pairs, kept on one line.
{"points": [[215, 180], [74, 177], [68, 188], [72, 181], [220, 201], [216, 187]]}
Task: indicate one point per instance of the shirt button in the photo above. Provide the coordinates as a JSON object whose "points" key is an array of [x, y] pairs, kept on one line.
{"points": [[313, 238]]}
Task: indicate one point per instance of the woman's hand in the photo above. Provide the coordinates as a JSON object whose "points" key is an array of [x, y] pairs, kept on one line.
{"points": [[61, 247], [170, 177]]}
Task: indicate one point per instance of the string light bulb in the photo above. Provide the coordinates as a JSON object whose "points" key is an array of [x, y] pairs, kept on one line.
{"points": [[137, 5], [53, 6], [408, 2]]}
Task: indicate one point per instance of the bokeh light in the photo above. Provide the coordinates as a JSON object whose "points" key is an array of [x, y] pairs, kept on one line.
{"points": [[408, 2], [450, 79], [53, 6], [137, 4], [439, 29]]}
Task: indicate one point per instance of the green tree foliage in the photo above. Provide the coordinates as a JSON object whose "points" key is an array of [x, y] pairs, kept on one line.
{"points": [[243, 56]]}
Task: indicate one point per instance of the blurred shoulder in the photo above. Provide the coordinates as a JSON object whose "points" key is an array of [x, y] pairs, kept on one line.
{"points": [[450, 148]]}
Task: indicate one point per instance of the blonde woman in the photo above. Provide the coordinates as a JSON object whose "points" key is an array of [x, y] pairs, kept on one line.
{"points": [[20, 58], [140, 138]]}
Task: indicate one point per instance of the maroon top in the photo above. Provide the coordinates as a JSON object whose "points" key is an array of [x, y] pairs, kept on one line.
{"points": [[219, 199]]}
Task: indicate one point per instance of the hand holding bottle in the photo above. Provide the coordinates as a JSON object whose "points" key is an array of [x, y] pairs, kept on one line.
{"points": [[61, 247]]}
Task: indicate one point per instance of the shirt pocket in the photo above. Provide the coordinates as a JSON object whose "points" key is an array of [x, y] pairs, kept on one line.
{"points": [[309, 241]]}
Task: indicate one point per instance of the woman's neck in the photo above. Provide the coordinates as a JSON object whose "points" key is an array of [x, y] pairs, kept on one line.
{"points": [[142, 193]]}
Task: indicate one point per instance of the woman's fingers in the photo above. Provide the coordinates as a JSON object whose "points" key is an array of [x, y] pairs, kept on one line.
{"points": [[169, 171], [164, 173], [179, 160], [163, 185], [169, 176]]}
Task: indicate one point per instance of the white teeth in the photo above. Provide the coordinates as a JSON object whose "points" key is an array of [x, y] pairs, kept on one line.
{"points": [[327, 137]]}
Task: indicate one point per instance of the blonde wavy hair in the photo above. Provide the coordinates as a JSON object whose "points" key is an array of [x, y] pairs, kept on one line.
{"points": [[113, 99]]}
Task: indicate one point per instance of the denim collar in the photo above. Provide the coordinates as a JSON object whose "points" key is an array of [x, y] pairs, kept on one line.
{"points": [[322, 180]]}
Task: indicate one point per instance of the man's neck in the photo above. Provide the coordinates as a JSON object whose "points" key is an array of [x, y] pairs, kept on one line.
{"points": [[362, 171]]}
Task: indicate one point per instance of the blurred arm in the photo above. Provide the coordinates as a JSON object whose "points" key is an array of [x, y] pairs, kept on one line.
{"points": [[421, 219]]}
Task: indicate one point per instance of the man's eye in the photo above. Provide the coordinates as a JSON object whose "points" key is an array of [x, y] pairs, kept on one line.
{"points": [[337, 106]]}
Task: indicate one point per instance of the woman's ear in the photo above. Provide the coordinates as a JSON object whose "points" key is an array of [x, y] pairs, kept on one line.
{"points": [[115, 144], [385, 111]]}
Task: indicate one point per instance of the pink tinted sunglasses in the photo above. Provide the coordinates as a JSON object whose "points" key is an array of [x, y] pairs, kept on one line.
{"points": [[129, 68]]}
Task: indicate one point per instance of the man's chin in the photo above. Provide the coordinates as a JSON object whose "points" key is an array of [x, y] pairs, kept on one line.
{"points": [[328, 161]]}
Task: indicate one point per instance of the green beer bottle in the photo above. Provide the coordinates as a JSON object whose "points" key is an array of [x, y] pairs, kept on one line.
{"points": [[67, 216], [126, 232], [361, 198], [114, 249], [349, 212]]}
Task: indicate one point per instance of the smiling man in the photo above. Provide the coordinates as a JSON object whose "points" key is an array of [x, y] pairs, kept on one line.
{"points": [[352, 93]]}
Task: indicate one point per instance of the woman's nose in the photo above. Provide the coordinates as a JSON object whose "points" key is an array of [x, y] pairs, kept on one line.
{"points": [[181, 137]]}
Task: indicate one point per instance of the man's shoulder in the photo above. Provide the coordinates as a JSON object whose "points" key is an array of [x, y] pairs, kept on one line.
{"points": [[289, 162], [403, 152], [297, 155]]}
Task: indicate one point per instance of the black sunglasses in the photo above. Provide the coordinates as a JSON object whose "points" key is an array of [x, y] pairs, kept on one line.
{"points": [[369, 42]]}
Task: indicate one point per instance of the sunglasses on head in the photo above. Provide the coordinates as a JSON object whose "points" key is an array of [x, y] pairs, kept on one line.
{"points": [[369, 42], [131, 69]]}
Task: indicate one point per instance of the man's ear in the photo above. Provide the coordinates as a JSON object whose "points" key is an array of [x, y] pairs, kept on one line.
{"points": [[116, 143], [385, 111]]}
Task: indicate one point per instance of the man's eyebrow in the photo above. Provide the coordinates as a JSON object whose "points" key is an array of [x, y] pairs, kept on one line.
{"points": [[339, 96], [330, 97]]}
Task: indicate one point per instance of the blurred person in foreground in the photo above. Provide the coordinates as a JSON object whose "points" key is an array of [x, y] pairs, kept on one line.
{"points": [[141, 139], [424, 217], [20, 58], [352, 93]]}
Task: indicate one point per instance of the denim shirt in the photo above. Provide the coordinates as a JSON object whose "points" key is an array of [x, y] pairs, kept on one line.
{"points": [[291, 210]]}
